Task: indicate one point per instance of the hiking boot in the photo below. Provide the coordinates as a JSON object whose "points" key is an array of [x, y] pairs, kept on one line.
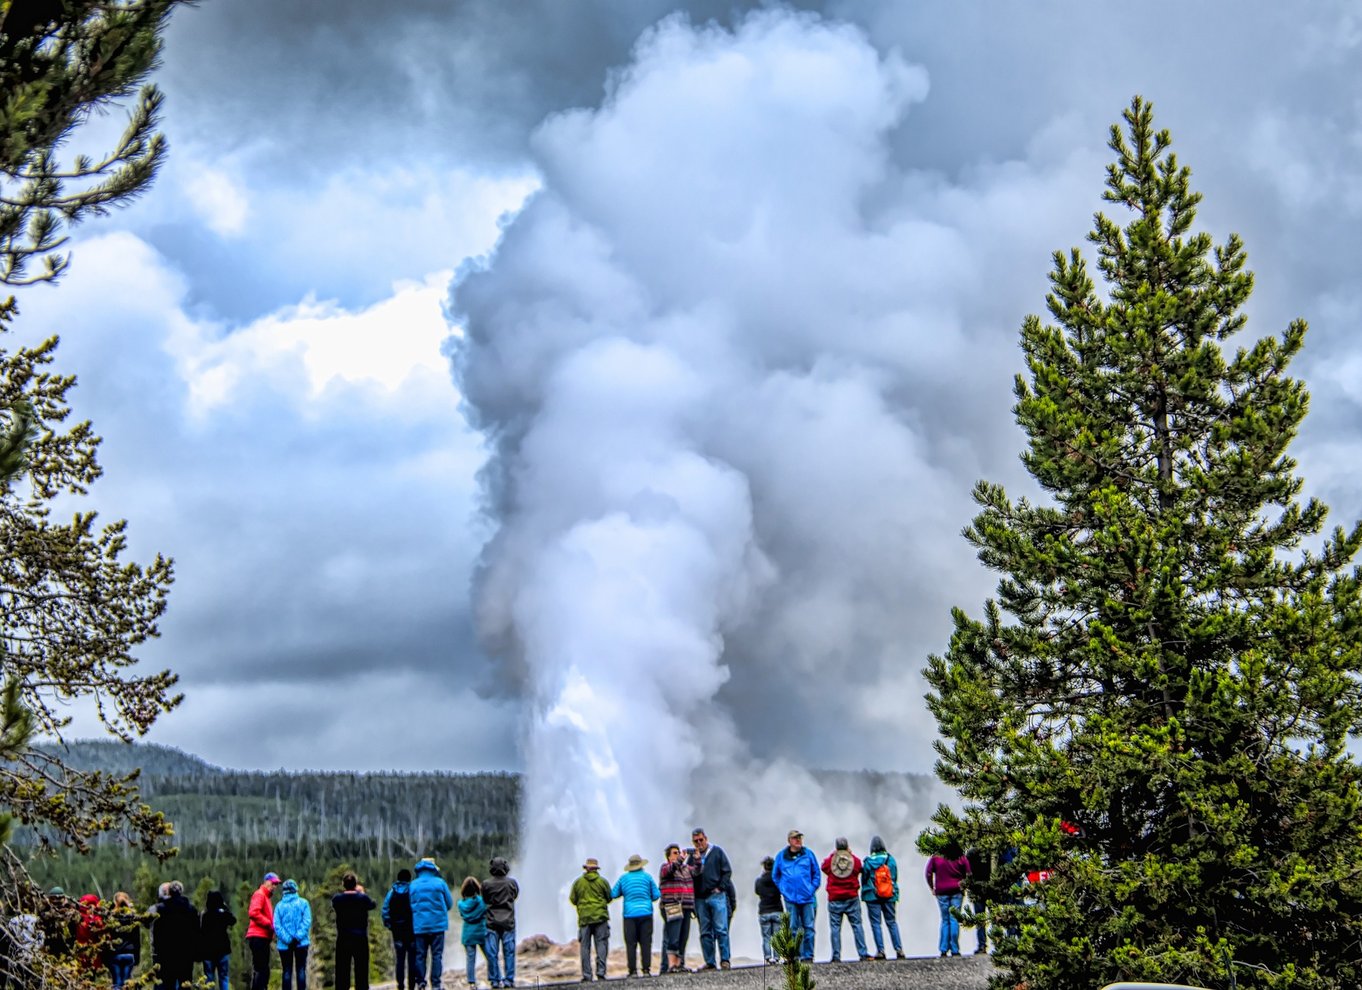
{"points": [[981, 951], [900, 955], [724, 964], [866, 958], [880, 956], [708, 966]]}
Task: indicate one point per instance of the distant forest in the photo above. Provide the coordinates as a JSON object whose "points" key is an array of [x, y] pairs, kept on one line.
{"points": [[231, 824]]}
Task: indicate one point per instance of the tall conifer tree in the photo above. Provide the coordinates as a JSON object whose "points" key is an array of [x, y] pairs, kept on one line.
{"points": [[1158, 704]]}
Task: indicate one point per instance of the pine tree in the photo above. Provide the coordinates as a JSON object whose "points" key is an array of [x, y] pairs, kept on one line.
{"points": [[71, 609], [787, 944], [60, 61], [1157, 705]]}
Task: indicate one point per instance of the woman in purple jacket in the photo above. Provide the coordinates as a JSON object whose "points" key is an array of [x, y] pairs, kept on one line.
{"points": [[945, 872]]}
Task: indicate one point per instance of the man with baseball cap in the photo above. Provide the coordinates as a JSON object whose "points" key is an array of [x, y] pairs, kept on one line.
{"points": [[591, 896], [260, 930], [797, 875]]}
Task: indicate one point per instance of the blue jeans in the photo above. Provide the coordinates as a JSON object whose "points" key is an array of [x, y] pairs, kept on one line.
{"points": [[802, 916], [215, 970], [501, 975], [712, 914], [471, 960], [770, 924], [120, 968], [432, 943], [292, 959], [404, 961], [874, 909], [851, 910], [950, 926]]}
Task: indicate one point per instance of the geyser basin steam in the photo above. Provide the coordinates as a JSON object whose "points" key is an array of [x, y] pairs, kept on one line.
{"points": [[702, 358]]}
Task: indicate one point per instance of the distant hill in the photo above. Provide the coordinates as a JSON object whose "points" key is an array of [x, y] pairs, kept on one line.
{"points": [[112, 756], [387, 813]]}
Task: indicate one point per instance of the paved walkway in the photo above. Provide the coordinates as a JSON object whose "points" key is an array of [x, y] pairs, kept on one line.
{"points": [[963, 973]]}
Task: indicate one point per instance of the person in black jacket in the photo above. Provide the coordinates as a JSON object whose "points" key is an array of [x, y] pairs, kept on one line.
{"points": [[215, 939], [499, 891], [352, 906], [397, 919], [980, 874], [175, 937], [122, 940], [769, 908], [711, 898]]}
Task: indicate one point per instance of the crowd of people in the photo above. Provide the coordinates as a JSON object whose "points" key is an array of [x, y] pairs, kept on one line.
{"points": [[693, 889], [695, 886]]}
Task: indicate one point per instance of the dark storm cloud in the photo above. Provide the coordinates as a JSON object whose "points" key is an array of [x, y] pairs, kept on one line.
{"points": [[465, 81]]}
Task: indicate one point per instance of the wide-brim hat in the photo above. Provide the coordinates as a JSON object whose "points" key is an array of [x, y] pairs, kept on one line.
{"points": [[591, 864], [636, 862]]}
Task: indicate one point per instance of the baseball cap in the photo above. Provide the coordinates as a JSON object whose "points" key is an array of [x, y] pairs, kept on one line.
{"points": [[794, 834], [271, 877]]}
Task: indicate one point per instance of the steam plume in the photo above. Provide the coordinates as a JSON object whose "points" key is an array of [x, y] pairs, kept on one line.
{"points": [[707, 356]]}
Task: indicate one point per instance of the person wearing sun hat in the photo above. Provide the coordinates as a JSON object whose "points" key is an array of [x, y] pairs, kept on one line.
{"points": [[639, 890], [591, 895], [260, 930]]}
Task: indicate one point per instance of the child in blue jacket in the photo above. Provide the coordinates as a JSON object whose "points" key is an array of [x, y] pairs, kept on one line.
{"points": [[473, 911]]}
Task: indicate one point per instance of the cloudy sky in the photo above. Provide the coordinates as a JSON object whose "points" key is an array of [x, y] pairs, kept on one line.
{"points": [[705, 315]]}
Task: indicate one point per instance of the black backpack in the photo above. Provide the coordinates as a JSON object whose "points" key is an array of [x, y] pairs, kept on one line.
{"points": [[399, 911]]}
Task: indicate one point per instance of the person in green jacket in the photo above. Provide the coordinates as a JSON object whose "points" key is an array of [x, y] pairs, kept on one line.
{"points": [[590, 895]]}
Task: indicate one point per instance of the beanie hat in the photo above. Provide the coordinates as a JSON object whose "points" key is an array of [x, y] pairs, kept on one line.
{"points": [[290, 886]]}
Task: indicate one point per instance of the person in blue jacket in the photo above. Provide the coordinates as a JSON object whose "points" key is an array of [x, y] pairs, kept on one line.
{"points": [[880, 893], [639, 890], [293, 934], [798, 876], [431, 902], [473, 911]]}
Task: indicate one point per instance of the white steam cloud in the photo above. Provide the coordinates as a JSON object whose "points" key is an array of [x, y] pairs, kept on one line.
{"points": [[726, 359]]}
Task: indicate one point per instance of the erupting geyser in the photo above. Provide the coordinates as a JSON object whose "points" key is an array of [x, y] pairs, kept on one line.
{"points": [[685, 358]]}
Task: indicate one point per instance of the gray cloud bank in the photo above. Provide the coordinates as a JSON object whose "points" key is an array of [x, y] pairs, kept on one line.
{"points": [[824, 282]]}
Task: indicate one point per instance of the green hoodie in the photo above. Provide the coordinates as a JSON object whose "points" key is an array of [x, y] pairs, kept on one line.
{"points": [[591, 895]]}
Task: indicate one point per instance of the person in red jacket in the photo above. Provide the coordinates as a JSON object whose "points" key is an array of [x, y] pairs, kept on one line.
{"points": [[89, 932], [260, 931], [843, 870]]}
